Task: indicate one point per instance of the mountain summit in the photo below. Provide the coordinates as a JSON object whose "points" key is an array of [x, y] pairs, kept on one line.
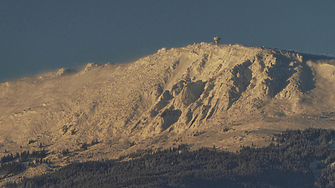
{"points": [[201, 95]]}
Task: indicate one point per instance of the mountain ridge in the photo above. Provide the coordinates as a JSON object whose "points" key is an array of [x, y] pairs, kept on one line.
{"points": [[202, 95]]}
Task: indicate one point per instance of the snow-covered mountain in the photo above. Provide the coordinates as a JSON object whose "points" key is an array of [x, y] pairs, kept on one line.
{"points": [[202, 95]]}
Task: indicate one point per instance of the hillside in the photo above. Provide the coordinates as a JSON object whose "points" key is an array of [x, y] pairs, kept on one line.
{"points": [[295, 159], [201, 95]]}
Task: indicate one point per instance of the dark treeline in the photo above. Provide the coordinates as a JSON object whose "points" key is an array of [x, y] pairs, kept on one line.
{"points": [[13, 164], [285, 163]]}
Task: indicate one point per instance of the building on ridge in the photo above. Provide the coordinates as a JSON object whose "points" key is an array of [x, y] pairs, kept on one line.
{"points": [[217, 39]]}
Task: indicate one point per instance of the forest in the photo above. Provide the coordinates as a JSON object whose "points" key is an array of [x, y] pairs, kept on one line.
{"points": [[12, 164], [286, 162]]}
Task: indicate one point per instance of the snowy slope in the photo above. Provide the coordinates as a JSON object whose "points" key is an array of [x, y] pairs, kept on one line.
{"points": [[202, 94]]}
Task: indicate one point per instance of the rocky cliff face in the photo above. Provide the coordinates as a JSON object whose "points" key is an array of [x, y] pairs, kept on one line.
{"points": [[201, 94]]}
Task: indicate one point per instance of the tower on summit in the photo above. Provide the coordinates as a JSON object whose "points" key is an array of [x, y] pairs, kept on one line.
{"points": [[217, 39]]}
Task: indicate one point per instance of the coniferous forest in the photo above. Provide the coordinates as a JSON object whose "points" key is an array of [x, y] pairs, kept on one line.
{"points": [[296, 158]]}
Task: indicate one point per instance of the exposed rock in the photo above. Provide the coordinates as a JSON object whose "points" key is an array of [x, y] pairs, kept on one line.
{"points": [[164, 98]]}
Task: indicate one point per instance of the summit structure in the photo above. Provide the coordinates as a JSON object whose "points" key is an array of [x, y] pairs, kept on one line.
{"points": [[217, 39]]}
